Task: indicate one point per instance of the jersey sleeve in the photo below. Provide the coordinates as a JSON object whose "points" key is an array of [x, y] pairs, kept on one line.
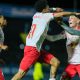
{"points": [[49, 16]]}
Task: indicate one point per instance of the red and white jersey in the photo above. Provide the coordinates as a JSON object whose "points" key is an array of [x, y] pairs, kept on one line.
{"points": [[39, 28], [73, 51]]}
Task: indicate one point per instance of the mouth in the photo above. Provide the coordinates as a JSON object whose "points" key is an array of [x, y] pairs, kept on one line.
{"points": [[70, 23]]}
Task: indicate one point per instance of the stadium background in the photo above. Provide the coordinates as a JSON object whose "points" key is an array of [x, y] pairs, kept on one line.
{"points": [[19, 16]]}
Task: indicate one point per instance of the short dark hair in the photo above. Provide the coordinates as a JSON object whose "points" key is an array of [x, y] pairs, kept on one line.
{"points": [[40, 5]]}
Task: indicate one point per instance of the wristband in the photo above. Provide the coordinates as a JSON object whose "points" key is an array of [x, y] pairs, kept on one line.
{"points": [[54, 9]]}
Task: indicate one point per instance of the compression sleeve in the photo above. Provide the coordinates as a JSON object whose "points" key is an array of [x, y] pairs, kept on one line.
{"points": [[69, 30]]}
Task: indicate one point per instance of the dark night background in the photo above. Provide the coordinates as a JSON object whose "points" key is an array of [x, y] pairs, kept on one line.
{"points": [[59, 3]]}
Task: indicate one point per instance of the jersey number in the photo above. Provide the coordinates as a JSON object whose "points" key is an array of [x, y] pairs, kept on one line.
{"points": [[31, 33]]}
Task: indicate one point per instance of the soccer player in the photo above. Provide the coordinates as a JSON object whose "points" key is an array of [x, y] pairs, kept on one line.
{"points": [[2, 46], [73, 48], [35, 38]]}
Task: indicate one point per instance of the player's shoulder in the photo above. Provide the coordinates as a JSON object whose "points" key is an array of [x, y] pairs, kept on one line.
{"points": [[48, 15], [37, 15]]}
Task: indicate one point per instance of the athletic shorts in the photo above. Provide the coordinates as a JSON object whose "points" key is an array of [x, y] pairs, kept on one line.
{"points": [[1, 75], [72, 70], [31, 55]]}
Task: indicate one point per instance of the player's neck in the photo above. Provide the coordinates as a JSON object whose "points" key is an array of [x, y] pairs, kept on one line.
{"points": [[77, 27]]}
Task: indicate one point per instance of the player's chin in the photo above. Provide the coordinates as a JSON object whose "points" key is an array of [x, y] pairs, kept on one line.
{"points": [[71, 25]]}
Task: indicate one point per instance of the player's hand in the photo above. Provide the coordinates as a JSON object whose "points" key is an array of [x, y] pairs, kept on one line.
{"points": [[4, 47], [77, 13], [59, 10]]}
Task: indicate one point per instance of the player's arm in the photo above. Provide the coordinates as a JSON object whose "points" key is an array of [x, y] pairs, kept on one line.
{"points": [[2, 23], [2, 46], [55, 37], [1, 31], [62, 14], [69, 30]]}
